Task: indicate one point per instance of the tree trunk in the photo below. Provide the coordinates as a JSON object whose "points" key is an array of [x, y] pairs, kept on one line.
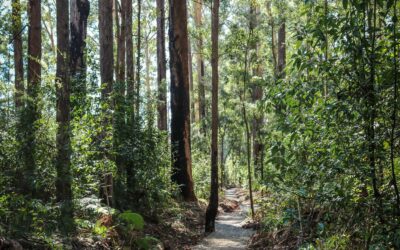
{"points": [[116, 15], [106, 46], [273, 39], [257, 94], [130, 65], [121, 24], [106, 66], [371, 112], [63, 141], [119, 105], [200, 63], [192, 108], [138, 67], [149, 113], [18, 54], [130, 87], [19, 75], [78, 28], [326, 51], [248, 151], [247, 127], [180, 106], [222, 178], [394, 113], [34, 78], [212, 208], [161, 67], [282, 49], [281, 67]]}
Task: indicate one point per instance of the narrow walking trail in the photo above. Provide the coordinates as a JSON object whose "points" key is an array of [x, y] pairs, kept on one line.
{"points": [[229, 233]]}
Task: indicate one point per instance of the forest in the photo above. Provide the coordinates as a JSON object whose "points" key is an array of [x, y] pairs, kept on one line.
{"points": [[199, 124]]}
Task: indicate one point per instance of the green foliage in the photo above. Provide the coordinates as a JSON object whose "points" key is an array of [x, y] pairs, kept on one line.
{"points": [[317, 175], [100, 229], [201, 166], [133, 221], [146, 243], [18, 215]]}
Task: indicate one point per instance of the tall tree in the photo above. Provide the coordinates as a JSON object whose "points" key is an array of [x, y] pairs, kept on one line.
{"points": [[130, 88], [180, 103], [106, 46], [34, 78], [281, 54], [326, 49], [138, 51], [119, 128], [271, 22], [212, 208], [130, 66], [282, 48], [191, 86], [371, 101], [257, 91], [149, 108], [394, 111], [149, 113], [161, 67], [18, 54], [120, 20], [246, 120], [106, 72], [63, 141], [18, 68], [198, 5], [78, 28]]}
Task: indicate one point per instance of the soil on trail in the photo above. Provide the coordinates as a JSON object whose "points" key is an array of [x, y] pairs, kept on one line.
{"points": [[229, 233]]}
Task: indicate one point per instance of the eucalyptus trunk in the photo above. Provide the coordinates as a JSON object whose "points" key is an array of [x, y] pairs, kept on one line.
{"points": [[212, 208], [257, 93], [138, 57], [198, 5], [63, 118], [161, 67], [106, 47], [78, 27], [18, 55], [282, 49], [32, 114], [119, 129], [180, 100], [106, 74]]}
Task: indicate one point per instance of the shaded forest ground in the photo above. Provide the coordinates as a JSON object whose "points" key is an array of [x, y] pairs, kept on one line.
{"points": [[178, 227]]}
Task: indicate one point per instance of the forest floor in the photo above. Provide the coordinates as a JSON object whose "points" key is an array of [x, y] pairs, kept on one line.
{"points": [[229, 233], [179, 227], [179, 230]]}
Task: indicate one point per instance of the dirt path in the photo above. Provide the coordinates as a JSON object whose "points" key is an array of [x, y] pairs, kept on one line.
{"points": [[229, 233]]}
